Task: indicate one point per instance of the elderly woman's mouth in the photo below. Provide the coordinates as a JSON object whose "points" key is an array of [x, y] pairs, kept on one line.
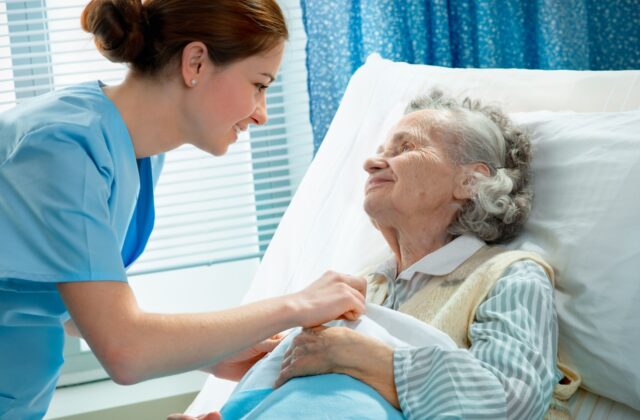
{"points": [[376, 181]]}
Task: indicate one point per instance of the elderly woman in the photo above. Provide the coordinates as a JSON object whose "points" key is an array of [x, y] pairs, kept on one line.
{"points": [[451, 178]]}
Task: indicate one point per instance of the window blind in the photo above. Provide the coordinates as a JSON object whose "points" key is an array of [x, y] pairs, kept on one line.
{"points": [[208, 209]]}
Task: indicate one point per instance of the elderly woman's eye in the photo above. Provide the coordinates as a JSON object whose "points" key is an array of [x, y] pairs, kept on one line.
{"points": [[407, 147]]}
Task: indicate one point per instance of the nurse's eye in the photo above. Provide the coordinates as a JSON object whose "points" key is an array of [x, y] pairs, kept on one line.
{"points": [[261, 88]]}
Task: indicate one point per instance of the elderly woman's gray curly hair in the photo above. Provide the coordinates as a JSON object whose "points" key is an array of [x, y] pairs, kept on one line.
{"points": [[502, 201]]}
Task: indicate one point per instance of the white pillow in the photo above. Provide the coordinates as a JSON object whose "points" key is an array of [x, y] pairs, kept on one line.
{"points": [[586, 221]]}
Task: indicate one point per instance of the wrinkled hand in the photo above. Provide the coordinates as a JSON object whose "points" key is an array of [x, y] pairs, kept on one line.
{"points": [[234, 367], [209, 416], [332, 296], [321, 350]]}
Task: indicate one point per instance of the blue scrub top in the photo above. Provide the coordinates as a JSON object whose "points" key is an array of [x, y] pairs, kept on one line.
{"points": [[75, 205]]}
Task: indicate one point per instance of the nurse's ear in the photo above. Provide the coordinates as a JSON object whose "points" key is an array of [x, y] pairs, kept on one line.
{"points": [[194, 59]]}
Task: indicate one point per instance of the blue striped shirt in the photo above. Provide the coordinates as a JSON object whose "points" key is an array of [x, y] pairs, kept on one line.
{"points": [[509, 371]]}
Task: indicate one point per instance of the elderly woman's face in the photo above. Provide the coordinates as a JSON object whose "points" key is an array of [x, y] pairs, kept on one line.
{"points": [[411, 175]]}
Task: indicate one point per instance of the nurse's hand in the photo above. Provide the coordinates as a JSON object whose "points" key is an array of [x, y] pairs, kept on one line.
{"points": [[332, 296], [341, 350], [234, 367], [209, 416]]}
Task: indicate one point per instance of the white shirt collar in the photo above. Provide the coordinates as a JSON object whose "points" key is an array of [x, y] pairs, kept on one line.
{"points": [[441, 261]]}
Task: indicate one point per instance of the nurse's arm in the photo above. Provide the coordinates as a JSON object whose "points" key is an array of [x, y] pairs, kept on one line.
{"points": [[134, 345]]}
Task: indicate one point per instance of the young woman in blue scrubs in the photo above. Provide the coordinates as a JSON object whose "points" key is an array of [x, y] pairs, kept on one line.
{"points": [[77, 168]]}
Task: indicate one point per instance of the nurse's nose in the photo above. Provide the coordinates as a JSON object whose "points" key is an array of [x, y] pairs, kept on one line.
{"points": [[259, 116]]}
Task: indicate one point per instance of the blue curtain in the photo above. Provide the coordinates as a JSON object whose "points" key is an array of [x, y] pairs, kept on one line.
{"points": [[542, 34]]}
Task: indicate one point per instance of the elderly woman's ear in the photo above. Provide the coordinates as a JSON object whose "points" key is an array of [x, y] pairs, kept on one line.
{"points": [[466, 179]]}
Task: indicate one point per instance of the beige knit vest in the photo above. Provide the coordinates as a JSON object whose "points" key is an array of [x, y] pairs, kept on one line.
{"points": [[449, 303]]}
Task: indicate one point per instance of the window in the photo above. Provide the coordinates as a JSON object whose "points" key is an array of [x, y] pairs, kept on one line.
{"points": [[215, 216]]}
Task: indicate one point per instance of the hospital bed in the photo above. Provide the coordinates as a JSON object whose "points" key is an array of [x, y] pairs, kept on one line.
{"points": [[586, 134]]}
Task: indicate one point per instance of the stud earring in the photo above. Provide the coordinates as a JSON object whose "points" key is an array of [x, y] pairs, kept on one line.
{"points": [[193, 82]]}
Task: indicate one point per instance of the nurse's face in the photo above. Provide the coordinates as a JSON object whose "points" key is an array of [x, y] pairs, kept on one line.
{"points": [[230, 98]]}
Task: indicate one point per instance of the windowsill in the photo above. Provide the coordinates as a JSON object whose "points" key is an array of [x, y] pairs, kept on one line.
{"points": [[103, 395]]}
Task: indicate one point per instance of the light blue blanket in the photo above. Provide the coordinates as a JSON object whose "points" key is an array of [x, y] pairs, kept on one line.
{"points": [[327, 396]]}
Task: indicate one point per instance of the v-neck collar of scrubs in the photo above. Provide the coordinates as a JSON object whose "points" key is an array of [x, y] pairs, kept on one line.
{"points": [[143, 218]]}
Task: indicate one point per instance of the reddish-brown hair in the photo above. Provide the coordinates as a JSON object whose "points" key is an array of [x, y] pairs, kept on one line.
{"points": [[151, 35]]}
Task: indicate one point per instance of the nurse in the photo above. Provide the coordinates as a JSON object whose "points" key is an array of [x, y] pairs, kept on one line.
{"points": [[76, 199]]}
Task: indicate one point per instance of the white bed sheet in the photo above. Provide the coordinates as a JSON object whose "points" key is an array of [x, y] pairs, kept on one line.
{"points": [[394, 328]]}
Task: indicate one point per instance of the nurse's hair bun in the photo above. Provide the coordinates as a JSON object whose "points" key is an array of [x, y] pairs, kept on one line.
{"points": [[150, 36], [118, 28]]}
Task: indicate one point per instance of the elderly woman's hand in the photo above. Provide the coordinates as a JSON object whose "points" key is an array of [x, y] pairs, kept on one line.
{"points": [[321, 350]]}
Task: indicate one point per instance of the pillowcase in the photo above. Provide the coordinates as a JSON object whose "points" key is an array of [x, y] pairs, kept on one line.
{"points": [[585, 220]]}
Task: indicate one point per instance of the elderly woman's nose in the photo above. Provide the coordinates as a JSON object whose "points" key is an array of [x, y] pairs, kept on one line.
{"points": [[374, 164]]}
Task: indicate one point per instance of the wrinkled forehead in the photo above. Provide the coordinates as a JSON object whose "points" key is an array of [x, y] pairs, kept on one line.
{"points": [[418, 127]]}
